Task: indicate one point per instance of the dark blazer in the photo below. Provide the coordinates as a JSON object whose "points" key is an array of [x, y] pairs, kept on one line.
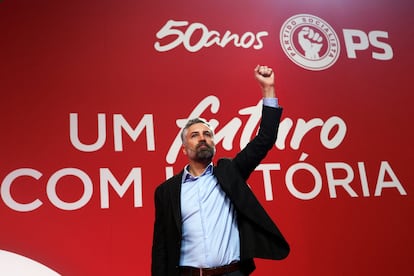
{"points": [[259, 236]]}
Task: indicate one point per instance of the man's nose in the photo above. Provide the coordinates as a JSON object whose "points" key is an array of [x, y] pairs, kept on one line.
{"points": [[202, 138]]}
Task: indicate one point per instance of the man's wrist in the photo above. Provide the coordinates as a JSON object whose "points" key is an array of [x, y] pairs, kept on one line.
{"points": [[268, 91]]}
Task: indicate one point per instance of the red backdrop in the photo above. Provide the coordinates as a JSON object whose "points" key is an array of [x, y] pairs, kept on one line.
{"points": [[92, 94]]}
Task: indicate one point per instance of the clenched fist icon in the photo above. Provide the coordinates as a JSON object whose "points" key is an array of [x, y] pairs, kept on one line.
{"points": [[310, 41]]}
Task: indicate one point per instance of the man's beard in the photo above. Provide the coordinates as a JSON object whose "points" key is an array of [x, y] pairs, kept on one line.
{"points": [[204, 154]]}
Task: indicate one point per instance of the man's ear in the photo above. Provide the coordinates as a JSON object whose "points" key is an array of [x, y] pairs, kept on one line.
{"points": [[184, 150]]}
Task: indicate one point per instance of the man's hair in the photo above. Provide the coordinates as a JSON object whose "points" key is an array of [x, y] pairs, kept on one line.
{"points": [[192, 122]]}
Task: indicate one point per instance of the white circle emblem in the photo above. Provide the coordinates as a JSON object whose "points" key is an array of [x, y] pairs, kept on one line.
{"points": [[310, 42]]}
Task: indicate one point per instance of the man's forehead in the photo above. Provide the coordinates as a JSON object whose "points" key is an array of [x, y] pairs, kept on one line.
{"points": [[198, 127]]}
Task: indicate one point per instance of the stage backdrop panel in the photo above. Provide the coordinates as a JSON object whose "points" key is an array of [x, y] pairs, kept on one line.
{"points": [[94, 95]]}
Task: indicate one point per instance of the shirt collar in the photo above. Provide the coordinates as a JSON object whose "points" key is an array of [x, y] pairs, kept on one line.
{"points": [[187, 177]]}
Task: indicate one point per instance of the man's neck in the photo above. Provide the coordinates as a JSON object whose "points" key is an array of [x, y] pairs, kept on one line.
{"points": [[197, 168]]}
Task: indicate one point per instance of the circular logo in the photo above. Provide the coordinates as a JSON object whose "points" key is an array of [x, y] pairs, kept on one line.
{"points": [[310, 42]]}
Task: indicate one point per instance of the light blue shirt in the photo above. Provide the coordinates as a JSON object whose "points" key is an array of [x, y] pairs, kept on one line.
{"points": [[272, 102], [210, 236]]}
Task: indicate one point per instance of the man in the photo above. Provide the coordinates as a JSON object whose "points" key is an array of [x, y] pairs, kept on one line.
{"points": [[207, 220]]}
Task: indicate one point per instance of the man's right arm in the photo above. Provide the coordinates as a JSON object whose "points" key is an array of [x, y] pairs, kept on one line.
{"points": [[159, 250]]}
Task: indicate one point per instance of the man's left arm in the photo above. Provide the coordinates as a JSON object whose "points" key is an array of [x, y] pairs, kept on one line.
{"points": [[251, 156]]}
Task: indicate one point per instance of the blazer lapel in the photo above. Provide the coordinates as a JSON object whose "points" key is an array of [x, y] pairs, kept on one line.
{"points": [[242, 196]]}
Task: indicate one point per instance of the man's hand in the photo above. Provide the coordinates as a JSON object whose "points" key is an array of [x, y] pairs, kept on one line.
{"points": [[266, 79]]}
